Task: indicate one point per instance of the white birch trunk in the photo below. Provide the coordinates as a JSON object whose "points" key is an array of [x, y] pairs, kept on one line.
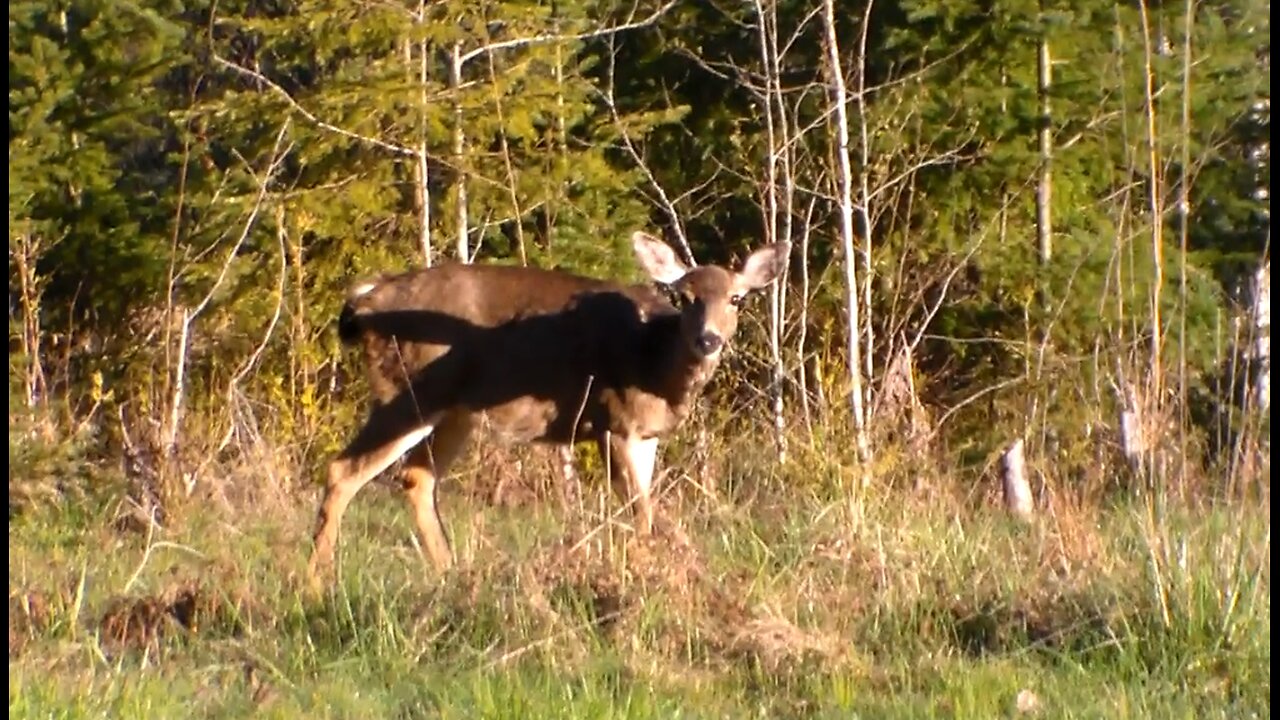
{"points": [[845, 200], [459, 150], [766, 19], [1017, 490], [1260, 317], [421, 171], [1044, 186]]}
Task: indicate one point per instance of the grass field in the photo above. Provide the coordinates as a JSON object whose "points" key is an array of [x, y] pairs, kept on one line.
{"points": [[767, 594]]}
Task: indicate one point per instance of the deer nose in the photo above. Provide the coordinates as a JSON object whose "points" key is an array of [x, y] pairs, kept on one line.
{"points": [[709, 343]]}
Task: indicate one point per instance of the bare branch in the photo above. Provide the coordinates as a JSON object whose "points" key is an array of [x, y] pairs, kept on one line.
{"points": [[188, 317], [277, 157], [253, 358], [551, 37], [664, 199], [310, 116]]}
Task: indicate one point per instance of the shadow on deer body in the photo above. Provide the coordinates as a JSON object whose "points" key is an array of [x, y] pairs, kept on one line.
{"points": [[532, 356]]}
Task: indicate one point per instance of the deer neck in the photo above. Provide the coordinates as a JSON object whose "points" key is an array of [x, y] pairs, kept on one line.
{"points": [[679, 374]]}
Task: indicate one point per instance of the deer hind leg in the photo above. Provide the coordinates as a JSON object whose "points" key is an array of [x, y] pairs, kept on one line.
{"points": [[631, 461], [389, 433], [425, 467]]}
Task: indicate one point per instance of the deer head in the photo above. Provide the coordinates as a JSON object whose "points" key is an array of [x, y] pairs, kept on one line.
{"points": [[708, 297]]}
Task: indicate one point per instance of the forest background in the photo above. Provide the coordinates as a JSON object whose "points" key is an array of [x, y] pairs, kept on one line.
{"points": [[1030, 251]]}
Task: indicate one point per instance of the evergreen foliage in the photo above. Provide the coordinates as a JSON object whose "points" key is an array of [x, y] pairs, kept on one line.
{"points": [[146, 137]]}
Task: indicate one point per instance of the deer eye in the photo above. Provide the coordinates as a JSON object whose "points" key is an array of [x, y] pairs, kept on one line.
{"points": [[736, 300]]}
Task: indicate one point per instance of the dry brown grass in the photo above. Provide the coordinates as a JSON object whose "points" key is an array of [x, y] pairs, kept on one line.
{"points": [[762, 578]]}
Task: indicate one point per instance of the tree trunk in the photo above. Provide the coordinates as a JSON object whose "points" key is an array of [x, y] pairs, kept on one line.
{"points": [[845, 200], [1017, 491], [421, 175], [1044, 185], [459, 151]]}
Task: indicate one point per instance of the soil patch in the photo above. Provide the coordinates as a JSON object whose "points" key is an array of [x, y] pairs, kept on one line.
{"points": [[140, 623], [29, 615]]}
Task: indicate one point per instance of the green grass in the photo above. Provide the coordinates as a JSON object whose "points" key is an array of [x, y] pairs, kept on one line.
{"points": [[781, 606]]}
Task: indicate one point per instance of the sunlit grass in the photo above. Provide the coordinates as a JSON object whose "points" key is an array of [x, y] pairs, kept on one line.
{"points": [[777, 602]]}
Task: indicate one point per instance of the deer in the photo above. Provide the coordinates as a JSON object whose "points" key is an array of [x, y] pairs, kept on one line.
{"points": [[533, 355]]}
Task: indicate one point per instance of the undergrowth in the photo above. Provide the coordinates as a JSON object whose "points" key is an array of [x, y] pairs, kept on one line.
{"points": [[767, 591]]}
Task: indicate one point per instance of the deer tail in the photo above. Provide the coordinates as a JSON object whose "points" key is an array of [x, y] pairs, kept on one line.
{"points": [[349, 327]]}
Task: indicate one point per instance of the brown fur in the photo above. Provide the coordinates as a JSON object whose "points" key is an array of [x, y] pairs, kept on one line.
{"points": [[534, 356]]}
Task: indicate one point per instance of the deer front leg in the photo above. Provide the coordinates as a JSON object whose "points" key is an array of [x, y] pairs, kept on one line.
{"points": [[631, 462]]}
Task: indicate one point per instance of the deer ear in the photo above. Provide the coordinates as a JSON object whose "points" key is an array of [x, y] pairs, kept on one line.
{"points": [[657, 258], [763, 266]]}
